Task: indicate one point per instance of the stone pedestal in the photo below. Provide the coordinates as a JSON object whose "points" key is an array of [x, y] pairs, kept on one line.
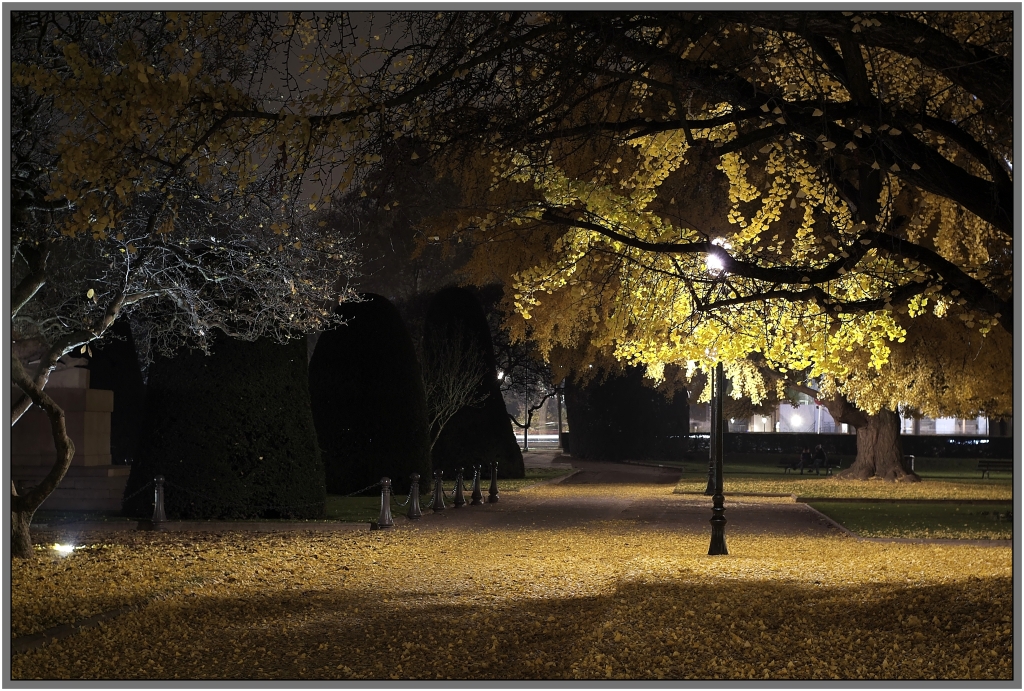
{"points": [[91, 483]]}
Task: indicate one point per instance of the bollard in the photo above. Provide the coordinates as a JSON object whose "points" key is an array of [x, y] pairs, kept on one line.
{"points": [[477, 496], [493, 498], [384, 521], [159, 517], [460, 499], [438, 491], [414, 498]]}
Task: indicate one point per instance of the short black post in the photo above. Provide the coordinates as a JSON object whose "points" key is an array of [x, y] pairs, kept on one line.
{"points": [[384, 521], [414, 498], [438, 491], [477, 496], [493, 494], [460, 498], [159, 517], [718, 512]]}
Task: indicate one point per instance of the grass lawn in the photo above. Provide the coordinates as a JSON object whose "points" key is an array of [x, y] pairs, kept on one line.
{"points": [[932, 520], [945, 479]]}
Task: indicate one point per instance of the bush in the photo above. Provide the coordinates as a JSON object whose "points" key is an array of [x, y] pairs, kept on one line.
{"points": [[114, 366], [232, 433], [621, 419], [482, 434], [366, 393]]}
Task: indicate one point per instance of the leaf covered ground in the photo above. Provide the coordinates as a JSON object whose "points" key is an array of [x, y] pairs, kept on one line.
{"points": [[922, 520], [605, 600], [822, 487]]}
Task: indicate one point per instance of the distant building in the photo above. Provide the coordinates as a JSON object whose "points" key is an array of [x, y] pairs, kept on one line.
{"points": [[811, 417]]}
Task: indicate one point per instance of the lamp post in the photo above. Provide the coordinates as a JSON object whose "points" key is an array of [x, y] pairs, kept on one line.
{"points": [[716, 421], [717, 457]]}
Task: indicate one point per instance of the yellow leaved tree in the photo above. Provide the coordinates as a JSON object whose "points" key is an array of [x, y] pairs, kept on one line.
{"points": [[821, 197]]}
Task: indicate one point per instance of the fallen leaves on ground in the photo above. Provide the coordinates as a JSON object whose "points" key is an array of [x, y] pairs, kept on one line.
{"points": [[834, 488], [608, 600], [922, 520]]}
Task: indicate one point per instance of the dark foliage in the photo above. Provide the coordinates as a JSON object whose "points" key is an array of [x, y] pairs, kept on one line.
{"points": [[367, 398], [482, 434], [114, 366], [621, 419], [232, 433]]}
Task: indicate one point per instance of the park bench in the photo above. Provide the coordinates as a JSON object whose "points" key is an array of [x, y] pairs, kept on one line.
{"points": [[1000, 465], [828, 467]]}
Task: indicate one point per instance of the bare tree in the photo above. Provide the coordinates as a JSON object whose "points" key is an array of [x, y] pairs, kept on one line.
{"points": [[526, 382], [453, 377]]}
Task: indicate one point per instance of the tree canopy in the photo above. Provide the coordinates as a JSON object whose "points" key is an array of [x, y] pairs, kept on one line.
{"points": [[811, 188], [671, 187]]}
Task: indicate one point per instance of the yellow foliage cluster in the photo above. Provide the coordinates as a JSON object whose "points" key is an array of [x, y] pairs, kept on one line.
{"points": [[605, 601], [577, 280]]}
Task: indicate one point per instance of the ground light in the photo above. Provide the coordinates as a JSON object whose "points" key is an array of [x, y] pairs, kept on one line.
{"points": [[64, 549]]}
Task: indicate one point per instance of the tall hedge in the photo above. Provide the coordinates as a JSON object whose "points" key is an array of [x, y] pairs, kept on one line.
{"points": [[481, 434], [620, 419], [114, 366], [232, 433], [366, 393]]}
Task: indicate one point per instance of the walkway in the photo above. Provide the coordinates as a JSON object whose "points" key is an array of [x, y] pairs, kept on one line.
{"points": [[623, 492]]}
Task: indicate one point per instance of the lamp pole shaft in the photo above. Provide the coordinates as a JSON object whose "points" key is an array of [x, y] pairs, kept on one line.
{"points": [[718, 500]]}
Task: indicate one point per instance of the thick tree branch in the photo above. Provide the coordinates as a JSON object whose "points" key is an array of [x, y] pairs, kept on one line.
{"points": [[36, 278], [31, 499], [973, 68]]}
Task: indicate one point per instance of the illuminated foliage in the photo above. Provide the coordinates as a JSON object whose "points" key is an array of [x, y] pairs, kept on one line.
{"points": [[813, 189]]}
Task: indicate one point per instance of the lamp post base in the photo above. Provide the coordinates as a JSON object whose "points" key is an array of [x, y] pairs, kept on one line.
{"points": [[718, 527]]}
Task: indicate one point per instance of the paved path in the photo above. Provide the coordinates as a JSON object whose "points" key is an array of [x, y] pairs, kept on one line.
{"points": [[685, 513]]}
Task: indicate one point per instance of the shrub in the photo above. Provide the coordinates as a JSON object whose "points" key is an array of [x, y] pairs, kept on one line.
{"points": [[481, 434], [114, 366], [232, 433], [621, 419], [366, 393]]}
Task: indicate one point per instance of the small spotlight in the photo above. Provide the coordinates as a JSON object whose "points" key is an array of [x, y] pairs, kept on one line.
{"points": [[64, 549], [714, 264]]}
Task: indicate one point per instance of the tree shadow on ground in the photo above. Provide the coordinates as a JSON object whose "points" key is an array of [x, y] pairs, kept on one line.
{"points": [[677, 628]]}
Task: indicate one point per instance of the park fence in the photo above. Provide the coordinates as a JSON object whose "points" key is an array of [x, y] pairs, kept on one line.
{"points": [[384, 520]]}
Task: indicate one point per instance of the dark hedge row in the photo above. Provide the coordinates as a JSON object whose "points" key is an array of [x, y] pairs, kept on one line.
{"points": [[114, 366], [483, 434], [367, 398], [621, 419], [232, 433]]}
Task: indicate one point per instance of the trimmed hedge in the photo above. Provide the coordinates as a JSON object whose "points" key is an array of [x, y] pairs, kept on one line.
{"points": [[479, 435], [114, 366], [620, 419], [367, 397], [232, 433]]}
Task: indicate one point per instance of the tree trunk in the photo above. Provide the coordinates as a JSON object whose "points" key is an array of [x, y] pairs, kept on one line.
{"points": [[21, 540], [24, 506], [880, 451]]}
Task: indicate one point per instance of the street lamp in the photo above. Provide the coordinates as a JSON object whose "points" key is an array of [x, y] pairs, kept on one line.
{"points": [[717, 458]]}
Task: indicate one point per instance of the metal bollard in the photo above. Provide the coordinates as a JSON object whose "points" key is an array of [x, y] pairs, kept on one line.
{"points": [[384, 521], [159, 516], [460, 499], [493, 498], [477, 496], [438, 491], [414, 498]]}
